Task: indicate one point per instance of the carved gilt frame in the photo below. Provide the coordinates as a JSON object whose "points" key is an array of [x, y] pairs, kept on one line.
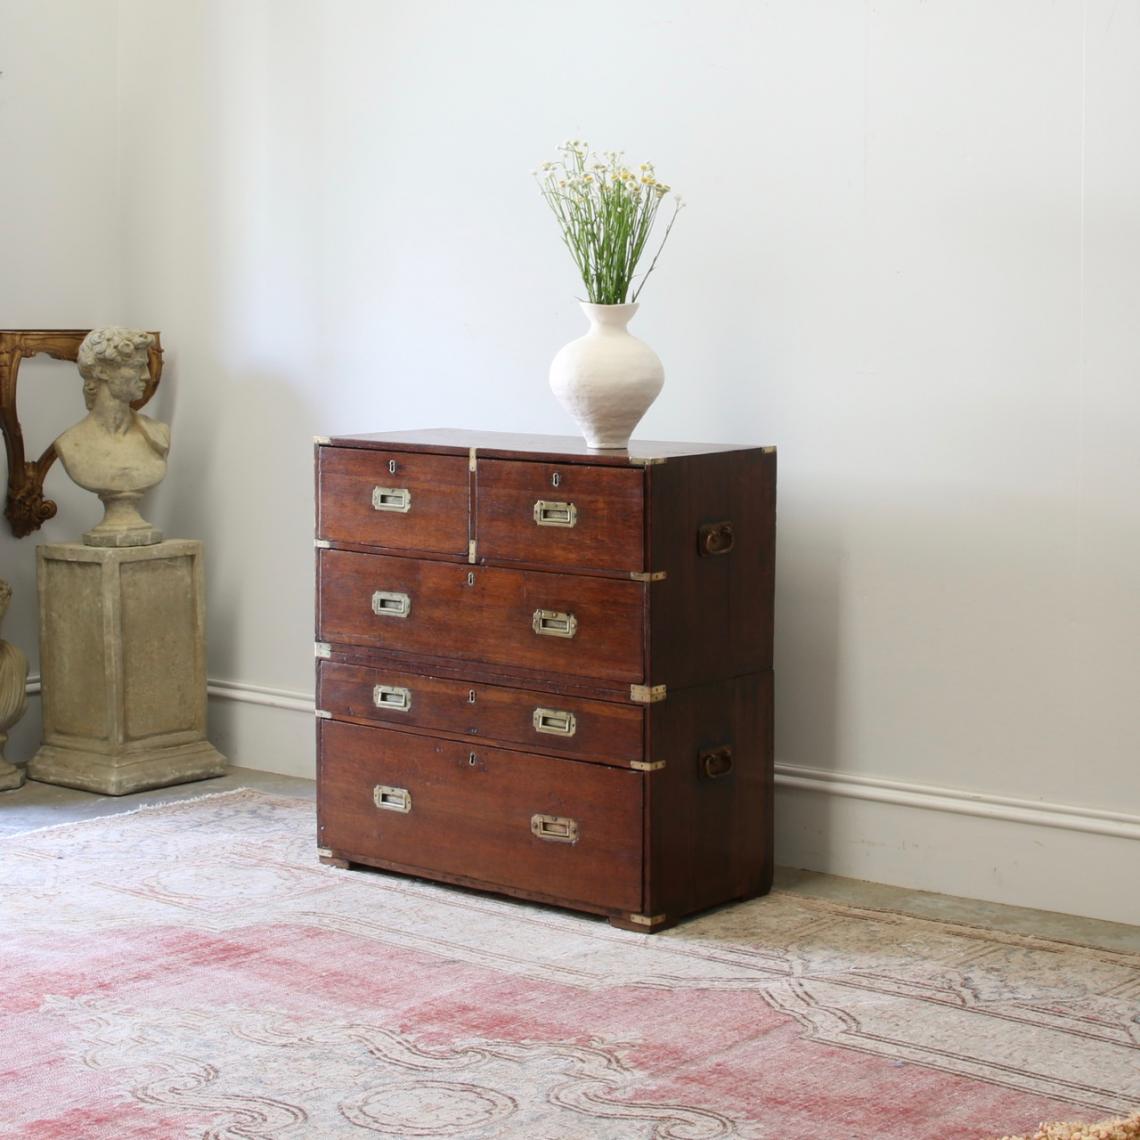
{"points": [[25, 507]]}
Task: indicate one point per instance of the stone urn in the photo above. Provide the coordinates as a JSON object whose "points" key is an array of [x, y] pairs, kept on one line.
{"points": [[13, 694], [608, 378]]}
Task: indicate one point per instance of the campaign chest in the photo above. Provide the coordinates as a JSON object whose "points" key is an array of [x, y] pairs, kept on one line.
{"points": [[546, 671]]}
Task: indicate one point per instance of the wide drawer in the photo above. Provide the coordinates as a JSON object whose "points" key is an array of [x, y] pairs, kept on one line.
{"points": [[525, 619], [505, 819], [560, 514], [599, 731], [398, 500]]}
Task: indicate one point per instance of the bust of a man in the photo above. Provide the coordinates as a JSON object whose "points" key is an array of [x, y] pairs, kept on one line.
{"points": [[115, 451]]}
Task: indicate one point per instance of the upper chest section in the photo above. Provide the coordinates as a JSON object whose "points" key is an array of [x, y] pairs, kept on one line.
{"points": [[541, 501]]}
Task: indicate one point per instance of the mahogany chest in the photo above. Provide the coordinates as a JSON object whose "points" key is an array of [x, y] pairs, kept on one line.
{"points": [[546, 671]]}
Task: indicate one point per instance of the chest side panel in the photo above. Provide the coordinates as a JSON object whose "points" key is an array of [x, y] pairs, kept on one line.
{"points": [[710, 809], [712, 530]]}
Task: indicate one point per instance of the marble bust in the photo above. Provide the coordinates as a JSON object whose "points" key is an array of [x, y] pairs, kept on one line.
{"points": [[115, 451]]}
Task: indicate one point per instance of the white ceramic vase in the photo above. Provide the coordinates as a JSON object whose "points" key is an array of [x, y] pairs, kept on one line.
{"points": [[13, 702], [608, 378]]}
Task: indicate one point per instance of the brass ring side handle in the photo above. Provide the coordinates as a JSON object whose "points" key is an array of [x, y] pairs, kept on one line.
{"points": [[716, 538], [715, 763]]}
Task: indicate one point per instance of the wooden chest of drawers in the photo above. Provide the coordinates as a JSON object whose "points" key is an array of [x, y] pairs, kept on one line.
{"points": [[547, 671]]}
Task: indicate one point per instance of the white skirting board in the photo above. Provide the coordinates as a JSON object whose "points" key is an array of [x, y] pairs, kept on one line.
{"points": [[1058, 857], [1061, 857], [272, 730]]}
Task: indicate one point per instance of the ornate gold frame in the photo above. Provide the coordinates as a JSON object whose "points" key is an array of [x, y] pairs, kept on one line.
{"points": [[25, 507]]}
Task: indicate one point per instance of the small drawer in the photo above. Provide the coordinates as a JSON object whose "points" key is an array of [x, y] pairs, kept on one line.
{"points": [[569, 515], [599, 731], [526, 620], [503, 819], [399, 500]]}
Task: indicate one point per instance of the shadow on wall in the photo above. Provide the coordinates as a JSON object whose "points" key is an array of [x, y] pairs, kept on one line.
{"points": [[173, 506], [808, 654], [241, 481]]}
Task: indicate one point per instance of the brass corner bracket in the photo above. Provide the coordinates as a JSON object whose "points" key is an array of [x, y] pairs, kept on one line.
{"points": [[647, 694], [648, 919]]}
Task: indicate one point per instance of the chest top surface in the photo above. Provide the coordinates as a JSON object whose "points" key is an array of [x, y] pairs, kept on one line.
{"points": [[510, 445]]}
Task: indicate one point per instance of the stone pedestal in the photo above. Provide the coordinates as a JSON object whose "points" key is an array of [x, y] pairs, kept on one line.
{"points": [[123, 667]]}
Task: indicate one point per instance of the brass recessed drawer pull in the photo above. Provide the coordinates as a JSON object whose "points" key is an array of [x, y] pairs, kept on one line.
{"points": [[555, 722], [715, 762], [392, 499], [555, 828], [555, 514], [385, 603], [392, 697], [551, 623], [392, 799]]}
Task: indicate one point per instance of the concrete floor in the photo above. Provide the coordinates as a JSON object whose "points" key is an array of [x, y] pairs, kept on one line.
{"points": [[42, 805]]}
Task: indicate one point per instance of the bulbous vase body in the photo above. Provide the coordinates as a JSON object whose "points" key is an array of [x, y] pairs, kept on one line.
{"points": [[608, 378]]}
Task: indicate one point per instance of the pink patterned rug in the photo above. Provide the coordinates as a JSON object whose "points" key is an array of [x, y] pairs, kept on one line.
{"points": [[192, 971]]}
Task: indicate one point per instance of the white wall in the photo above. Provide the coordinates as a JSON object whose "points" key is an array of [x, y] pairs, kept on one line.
{"points": [[911, 259], [59, 248]]}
